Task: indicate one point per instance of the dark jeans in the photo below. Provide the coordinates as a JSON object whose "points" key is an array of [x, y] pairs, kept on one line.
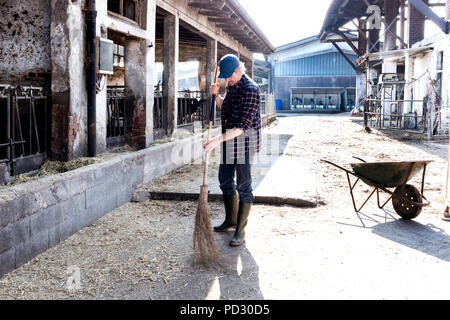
{"points": [[242, 184]]}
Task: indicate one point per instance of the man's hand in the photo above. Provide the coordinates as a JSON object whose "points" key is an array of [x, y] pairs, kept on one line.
{"points": [[212, 144], [214, 89], [230, 134]]}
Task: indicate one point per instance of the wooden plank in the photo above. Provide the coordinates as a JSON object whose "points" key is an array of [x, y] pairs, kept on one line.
{"points": [[268, 200]]}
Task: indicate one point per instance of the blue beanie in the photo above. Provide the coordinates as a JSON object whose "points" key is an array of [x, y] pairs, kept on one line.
{"points": [[228, 65]]}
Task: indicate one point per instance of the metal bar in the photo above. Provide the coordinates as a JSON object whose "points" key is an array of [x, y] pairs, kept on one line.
{"points": [[46, 135], [36, 128], [378, 200], [12, 143], [13, 127], [354, 185], [116, 125], [423, 178], [19, 126], [8, 124], [30, 129], [108, 110], [390, 100], [353, 198]]}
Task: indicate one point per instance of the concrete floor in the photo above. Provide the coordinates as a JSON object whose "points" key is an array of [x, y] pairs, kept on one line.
{"points": [[144, 250]]}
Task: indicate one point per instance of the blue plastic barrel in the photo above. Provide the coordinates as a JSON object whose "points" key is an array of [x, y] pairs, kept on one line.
{"points": [[278, 104]]}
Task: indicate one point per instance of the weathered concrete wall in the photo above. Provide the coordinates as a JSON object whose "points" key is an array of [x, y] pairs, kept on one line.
{"points": [[137, 76], [135, 88], [25, 39], [284, 84], [69, 114], [4, 174], [37, 215], [427, 63]]}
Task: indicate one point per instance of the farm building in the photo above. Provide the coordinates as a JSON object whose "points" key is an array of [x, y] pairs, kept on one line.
{"points": [[403, 71], [309, 75], [62, 97]]}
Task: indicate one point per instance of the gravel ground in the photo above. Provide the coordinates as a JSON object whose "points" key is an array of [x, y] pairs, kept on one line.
{"points": [[143, 250]]}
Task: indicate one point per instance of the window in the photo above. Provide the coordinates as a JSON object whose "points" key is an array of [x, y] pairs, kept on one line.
{"points": [[125, 8]]}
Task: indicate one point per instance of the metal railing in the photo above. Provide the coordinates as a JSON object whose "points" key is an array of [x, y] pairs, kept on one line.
{"points": [[158, 116], [192, 107], [395, 114], [415, 115], [24, 127], [115, 112], [439, 121]]}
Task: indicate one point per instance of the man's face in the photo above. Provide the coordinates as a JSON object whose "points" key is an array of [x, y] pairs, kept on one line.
{"points": [[235, 77]]}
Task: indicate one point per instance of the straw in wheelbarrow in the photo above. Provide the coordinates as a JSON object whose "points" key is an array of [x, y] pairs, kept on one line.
{"points": [[206, 252]]}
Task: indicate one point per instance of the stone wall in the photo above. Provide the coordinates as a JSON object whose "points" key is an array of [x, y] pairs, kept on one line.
{"points": [[37, 215], [25, 40]]}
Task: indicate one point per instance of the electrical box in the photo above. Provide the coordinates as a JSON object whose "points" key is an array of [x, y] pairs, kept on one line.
{"points": [[104, 53]]}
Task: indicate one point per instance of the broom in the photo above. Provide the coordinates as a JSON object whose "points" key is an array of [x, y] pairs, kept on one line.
{"points": [[206, 252]]}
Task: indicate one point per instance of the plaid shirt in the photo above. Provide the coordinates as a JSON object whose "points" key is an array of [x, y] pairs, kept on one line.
{"points": [[241, 109]]}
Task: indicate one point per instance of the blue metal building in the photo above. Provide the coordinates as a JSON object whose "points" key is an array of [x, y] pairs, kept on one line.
{"points": [[309, 75]]}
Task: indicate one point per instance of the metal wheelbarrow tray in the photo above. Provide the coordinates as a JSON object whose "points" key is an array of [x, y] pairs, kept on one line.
{"points": [[407, 200]]}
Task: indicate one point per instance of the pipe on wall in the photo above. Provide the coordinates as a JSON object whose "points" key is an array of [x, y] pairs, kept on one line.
{"points": [[91, 75]]}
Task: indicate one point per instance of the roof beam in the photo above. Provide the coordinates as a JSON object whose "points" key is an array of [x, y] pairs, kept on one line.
{"points": [[207, 4], [345, 56], [349, 42], [215, 13]]}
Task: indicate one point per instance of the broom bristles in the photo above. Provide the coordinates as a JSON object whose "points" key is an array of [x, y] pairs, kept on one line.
{"points": [[206, 252]]}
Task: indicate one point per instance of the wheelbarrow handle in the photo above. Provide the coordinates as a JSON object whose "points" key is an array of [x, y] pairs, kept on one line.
{"points": [[337, 166], [359, 159]]}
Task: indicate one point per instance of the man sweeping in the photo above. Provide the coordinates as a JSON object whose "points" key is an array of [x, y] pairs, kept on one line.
{"points": [[240, 141]]}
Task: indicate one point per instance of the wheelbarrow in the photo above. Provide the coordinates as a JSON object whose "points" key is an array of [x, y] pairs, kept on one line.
{"points": [[407, 200]]}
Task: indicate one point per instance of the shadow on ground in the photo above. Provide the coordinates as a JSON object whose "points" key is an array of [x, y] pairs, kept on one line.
{"points": [[428, 238], [237, 279]]}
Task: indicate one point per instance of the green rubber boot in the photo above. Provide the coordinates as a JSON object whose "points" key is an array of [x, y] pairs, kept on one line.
{"points": [[231, 203], [239, 234]]}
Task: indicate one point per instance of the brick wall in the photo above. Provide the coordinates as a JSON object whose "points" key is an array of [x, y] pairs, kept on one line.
{"points": [[416, 25]]}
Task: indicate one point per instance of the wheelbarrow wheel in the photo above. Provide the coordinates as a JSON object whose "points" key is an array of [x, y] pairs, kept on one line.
{"points": [[405, 209]]}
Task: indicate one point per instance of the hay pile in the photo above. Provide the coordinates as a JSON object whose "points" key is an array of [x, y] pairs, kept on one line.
{"points": [[55, 167], [50, 168]]}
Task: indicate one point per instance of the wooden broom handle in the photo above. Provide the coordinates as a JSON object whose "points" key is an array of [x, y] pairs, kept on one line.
{"points": [[211, 121]]}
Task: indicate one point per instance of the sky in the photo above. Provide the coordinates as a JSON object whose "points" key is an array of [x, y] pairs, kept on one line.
{"points": [[286, 21]]}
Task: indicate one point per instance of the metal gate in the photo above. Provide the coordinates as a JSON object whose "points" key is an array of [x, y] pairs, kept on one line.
{"points": [[115, 126], [24, 127]]}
